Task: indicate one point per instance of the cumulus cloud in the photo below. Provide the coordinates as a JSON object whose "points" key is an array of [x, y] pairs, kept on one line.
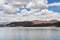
{"points": [[23, 1], [54, 4], [1, 1], [34, 14], [8, 6], [20, 1], [46, 11], [45, 15], [30, 3], [24, 12], [37, 4]]}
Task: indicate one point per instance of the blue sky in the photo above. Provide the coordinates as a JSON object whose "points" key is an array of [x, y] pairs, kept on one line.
{"points": [[52, 1], [54, 8]]}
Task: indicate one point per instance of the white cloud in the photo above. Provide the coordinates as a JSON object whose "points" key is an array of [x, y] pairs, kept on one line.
{"points": [[45, 15], [24, 12], [34, 4], [25, 15], [54, 4], [8, 6], [1, 1], [21, 1], [46, 11], [37, 4]]}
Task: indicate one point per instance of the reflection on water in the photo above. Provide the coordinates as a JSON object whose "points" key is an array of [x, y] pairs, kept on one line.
{"points": [[20, 33]]}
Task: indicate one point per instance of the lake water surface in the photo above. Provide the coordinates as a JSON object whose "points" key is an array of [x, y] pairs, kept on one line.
{"points": [[29, 33]]}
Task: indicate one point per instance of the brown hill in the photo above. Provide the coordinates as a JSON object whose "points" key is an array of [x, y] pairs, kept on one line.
{"points": [[35, 23]]}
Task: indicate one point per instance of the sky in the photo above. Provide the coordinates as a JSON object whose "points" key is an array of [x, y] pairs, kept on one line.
{"points": [[54, 8], [52, 1], [31, 10], [54, 5]]}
